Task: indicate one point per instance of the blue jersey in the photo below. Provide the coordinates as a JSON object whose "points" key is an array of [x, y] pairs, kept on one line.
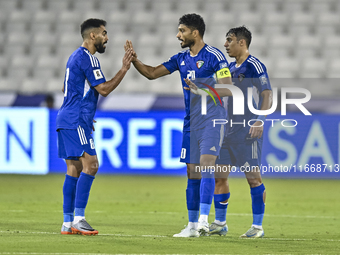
{"points": [[201, 70], [83, 73], [251, 73]]}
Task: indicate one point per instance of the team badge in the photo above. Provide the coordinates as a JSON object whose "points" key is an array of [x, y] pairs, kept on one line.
{"points": [[241, 77], [199, 64], [263, 79]]}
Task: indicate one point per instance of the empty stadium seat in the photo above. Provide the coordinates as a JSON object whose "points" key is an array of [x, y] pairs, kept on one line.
{"points": [[9, 84], [42, 43], [118, 21], [32, 5], [135, 6], [302, 18], [327, 18], [43, 21], [284, 33], [143, 22], [9, 5], [187, 6], [291, 6], [33, 86], [83, 5], [286, 67], [163, 6], [267, 6], [214, 6], [299, 30], [54, 85], [109, 5], [277, 18], [17, 43], [333, 70], [313, 68], [58, 6], [18, 21], [91, 14], [241, 6], [46, 66], [318, 6]]}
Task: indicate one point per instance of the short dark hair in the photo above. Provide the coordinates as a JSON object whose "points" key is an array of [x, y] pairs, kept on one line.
{"points": [[241, 33], [91, 23], [193, 21]]}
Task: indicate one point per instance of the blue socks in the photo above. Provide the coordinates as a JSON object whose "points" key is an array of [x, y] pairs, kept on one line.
{"points": [[83, 192], [69, 193], [193, 198], [206, 195], [221, 209], [257, 204]]}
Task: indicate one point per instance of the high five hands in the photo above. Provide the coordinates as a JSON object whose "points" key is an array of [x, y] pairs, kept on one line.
{"points": [[128, 46]]}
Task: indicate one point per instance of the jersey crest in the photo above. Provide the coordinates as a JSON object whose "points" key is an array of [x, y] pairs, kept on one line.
{"points": [[199, 63]]}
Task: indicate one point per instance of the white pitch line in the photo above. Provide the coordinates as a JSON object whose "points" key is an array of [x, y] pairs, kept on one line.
{"points": [[54, 253], [229, 214], [122, 235], [249, 214], [286, 216]]}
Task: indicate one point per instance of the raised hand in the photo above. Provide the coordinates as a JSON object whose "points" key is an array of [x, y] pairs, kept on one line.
{"points": [[127, 59], [193, 88], [128, 45]]}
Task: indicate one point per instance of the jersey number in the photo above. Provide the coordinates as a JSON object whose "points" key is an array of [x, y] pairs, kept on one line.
{"points": [[191, 75], [183, 153], [66, 80]]}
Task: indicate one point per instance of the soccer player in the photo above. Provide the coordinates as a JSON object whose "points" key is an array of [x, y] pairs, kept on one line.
{"points": [[83, 83], [242, 145], [201, 141]]}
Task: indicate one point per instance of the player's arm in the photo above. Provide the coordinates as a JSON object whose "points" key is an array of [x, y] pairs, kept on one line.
{"points": [[225, 78], [256, 130], [224, 92], [107, 87], [150, 72]]}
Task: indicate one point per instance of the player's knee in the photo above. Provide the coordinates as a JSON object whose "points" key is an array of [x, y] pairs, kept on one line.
{"points": [[94, 167], [91, 168], [254, 182], [221, 182]]}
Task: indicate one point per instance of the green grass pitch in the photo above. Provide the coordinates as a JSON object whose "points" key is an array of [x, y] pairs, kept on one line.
{"points": [[139, 214]]}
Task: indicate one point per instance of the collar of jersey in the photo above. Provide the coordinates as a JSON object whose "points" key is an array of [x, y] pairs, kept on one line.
{"points": [[205, 45], [242, 62]]}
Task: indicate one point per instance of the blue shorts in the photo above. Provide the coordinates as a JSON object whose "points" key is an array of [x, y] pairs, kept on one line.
{"points": [[241, 154], [72, 143], [206, 140]]}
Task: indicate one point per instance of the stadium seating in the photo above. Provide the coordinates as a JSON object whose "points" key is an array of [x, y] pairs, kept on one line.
{"points": [[294, 38]]}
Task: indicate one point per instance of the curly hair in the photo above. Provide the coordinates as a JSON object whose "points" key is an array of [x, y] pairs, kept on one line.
{"points": [[194, 22]]}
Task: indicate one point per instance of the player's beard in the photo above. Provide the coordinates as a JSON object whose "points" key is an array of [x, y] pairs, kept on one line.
{"points": [[100, 47], [187, 43]]}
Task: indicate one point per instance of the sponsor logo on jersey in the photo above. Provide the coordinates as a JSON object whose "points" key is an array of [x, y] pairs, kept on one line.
{"points": [[183, 64], [199, 64], [241, 77]]}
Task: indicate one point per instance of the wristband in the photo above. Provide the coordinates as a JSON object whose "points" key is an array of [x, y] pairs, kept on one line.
{"points": [[262, 118]]}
